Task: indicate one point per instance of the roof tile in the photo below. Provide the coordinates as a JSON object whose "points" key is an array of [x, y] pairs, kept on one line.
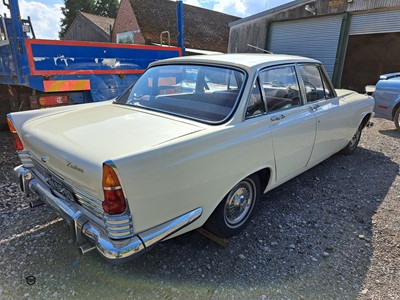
{"points": [[204, 29]]}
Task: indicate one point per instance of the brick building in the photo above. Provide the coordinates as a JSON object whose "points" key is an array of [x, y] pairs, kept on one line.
{"points": [[204, 29]]}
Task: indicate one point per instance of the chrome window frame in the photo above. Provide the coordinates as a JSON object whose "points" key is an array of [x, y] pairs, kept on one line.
{"points": [[322, 72], [256, 78]]}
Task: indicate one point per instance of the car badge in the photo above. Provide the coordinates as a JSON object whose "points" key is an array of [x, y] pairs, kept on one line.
{"points": [[44, 158], [74, 166]]}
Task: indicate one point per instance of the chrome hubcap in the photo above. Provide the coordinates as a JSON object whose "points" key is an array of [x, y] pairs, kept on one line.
{"points": [[239, 203]]}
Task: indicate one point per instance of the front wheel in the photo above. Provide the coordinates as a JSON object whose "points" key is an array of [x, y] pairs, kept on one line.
{"points": [[397, 118], [234, 212], [352, 145]]}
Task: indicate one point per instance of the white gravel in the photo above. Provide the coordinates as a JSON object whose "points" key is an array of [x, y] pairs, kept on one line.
{"points": [[331, 233]]}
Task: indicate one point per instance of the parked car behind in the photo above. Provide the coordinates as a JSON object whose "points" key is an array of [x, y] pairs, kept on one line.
{"points": [[195, 141], [387, 97]]}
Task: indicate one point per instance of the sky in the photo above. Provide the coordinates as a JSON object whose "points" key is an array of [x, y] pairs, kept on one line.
{"points": [[46, 14]]}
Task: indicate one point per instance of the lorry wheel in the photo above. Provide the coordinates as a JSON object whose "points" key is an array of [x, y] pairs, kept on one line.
{"points": [[352, 145], [234, 212], [397, 118]]}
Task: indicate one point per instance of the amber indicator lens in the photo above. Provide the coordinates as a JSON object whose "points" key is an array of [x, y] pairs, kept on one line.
{"points": [[114, 198], [17, 141]]}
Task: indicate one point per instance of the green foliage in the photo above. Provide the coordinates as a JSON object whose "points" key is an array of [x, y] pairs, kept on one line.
{"points": [[71, 9], [107, 8]]}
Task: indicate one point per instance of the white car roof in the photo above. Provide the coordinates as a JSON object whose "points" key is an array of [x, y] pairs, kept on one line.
{"points": [[242, 60]]}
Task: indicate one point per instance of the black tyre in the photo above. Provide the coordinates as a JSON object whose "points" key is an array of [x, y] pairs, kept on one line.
{"points": [[397, 118], [352, 145], [234, 212]]}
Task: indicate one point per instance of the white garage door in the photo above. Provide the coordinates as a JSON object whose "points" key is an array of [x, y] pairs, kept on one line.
{"points": [[317, 38]]}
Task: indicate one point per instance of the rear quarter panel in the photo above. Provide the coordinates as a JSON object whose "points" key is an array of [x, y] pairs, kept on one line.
{"points": [[360, 106], [192, 172]]}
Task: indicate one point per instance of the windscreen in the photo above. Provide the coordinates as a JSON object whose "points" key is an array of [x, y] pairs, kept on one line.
{"points": [[204, 93]]}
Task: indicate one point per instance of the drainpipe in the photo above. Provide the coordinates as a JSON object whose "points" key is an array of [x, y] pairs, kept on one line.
{"points": [[341, 51], [181, 32]]}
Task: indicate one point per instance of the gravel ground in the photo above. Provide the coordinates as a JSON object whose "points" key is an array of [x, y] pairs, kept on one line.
{"points": [[331, 233]]}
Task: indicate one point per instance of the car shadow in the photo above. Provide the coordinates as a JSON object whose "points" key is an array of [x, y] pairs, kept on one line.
{"points": [[392, 133], [310, 238]]}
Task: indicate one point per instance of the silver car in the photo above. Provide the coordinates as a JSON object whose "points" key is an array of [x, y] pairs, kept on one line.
{"points": [[387, 97]]}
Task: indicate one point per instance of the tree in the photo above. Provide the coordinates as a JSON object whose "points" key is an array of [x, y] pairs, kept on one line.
{"points": [[70, 11], [107, 8]]}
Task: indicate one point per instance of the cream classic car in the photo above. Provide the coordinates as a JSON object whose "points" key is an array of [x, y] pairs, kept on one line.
{"points": [[194, 142]]}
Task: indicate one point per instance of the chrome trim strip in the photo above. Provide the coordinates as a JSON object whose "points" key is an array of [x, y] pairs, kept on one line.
{"points": [[25, 158], [114, 188], [119, 226], [88, 202], [151, 237], [114, 251]]}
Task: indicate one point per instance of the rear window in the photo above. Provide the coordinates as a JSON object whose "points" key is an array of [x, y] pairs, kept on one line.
{"points": [[204, 93]]}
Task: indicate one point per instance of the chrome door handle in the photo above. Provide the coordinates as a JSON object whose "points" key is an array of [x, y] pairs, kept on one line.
{"points": [[314, 107], [277, 118]]}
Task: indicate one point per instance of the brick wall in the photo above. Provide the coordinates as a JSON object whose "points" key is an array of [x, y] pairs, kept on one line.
{"points": [[126, 21]]}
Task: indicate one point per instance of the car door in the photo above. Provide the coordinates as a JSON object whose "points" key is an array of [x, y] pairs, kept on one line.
{"points": [[331, 112], [292, 125]]}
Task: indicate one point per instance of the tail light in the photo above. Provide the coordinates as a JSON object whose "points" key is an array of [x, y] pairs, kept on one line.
{"points": [[17, 141], [49, 101], [114, 198]]}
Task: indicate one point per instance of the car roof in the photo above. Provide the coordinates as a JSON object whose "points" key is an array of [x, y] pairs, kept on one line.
{"points": [[242, 60], [394, 76]]}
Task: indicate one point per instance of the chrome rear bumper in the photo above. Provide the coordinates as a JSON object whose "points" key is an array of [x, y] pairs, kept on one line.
{"points": [[83, 229]]}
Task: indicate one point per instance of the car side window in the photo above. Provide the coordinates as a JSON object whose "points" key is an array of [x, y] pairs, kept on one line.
{"points": [[316, 87], [329, 93], [281, 88], [255, 106]]}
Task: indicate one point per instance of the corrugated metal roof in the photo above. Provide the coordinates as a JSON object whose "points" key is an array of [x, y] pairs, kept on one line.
{"points": [[359, 5], [376, 22], [204, 29]]}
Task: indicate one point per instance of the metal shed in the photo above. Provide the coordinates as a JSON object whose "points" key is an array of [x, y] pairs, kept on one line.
{"points": [[372, 47], [316, 38], [357, 40]]}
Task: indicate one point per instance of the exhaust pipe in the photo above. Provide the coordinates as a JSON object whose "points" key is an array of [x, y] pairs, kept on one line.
{"points": [[35, 203], [86, 248], [370, 124]]}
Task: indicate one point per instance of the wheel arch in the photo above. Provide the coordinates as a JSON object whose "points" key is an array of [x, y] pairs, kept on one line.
{"points": [[365, 120], [220, 222], [264, 176], [395, 108]]}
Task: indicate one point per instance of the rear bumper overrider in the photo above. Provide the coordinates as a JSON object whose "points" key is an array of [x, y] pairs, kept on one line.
{"points": [[85, 229]]}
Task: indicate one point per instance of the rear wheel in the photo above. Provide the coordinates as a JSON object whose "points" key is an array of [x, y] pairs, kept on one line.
{"points": [[234, 212], [397, 118], [352, 145]]}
